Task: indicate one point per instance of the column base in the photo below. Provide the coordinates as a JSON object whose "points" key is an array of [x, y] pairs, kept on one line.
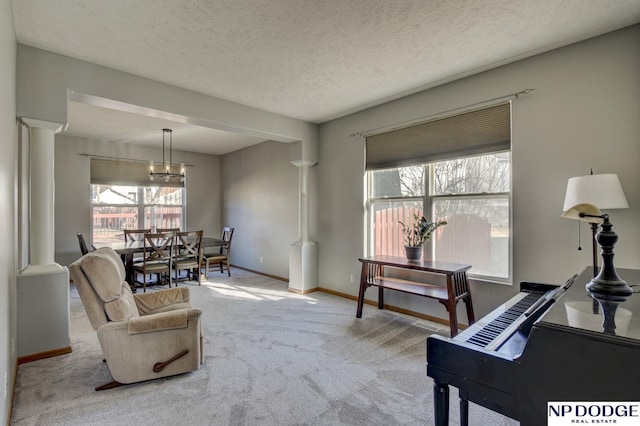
{"points": [[303, 267], [43, 309]]}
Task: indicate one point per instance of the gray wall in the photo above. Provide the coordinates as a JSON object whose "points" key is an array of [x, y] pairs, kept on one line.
{"points": [[8, 192], [260, 198], [73, 206], [56, 74], [583, 114], [257, 186]]}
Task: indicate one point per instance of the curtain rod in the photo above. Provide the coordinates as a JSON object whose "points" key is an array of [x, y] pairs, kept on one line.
{"points": [[511, 96], [133, 160]]}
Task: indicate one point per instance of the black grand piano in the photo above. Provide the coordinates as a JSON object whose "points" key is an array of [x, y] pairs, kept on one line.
{"points": [[545, 344]]}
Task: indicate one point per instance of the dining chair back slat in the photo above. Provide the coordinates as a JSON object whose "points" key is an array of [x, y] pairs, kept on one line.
{"points": [[132, 235], [157, 256], [168, 230], [83, 244], [159, 246], [188, 254]]}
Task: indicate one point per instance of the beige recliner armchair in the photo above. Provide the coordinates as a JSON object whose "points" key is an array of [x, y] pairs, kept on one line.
{"points": [[143, 336]]}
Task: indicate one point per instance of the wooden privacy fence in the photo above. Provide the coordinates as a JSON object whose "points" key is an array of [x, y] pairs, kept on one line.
{"points": [[387, 230], [465, 239]]}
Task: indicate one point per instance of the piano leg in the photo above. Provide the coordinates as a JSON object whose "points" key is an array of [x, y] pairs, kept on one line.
{"points": [[441, 403], [464, 412]]}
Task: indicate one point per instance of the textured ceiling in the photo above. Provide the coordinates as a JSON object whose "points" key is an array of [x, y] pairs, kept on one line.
{"points": [[311, 59]]}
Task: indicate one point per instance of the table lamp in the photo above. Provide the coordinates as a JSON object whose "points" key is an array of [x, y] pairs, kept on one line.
{"points": [[584, 198], [589, 195]]}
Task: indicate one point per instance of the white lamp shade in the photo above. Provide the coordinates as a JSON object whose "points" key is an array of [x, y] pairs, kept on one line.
{"points": [[602, 191]]}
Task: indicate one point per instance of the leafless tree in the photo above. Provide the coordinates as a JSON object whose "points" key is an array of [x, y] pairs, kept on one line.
{"points": [[483, 175]]}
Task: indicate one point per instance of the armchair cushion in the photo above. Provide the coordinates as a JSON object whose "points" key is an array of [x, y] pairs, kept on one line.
{"points": [[104, 278], [122, 308], [105, 274]]}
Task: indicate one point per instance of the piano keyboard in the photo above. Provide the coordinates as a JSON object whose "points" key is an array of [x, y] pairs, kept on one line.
{"points": [[498, 326]]}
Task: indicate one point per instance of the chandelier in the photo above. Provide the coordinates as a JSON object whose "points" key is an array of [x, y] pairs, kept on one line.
{"points": [[169, 172]]}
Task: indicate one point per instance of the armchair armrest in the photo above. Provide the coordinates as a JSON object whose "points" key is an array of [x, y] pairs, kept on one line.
{"points": [[162, 321], [149, 302]]}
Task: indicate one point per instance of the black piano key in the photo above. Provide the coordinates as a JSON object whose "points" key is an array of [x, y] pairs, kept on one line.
{"points": [[478, 342], [494, 328], [489, 336]]}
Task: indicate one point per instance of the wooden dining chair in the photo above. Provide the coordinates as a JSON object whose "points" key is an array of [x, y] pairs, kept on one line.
{"points": [[223, 255], [156, 258], [131, 235], [84, 249], [168, 230], [188, 254]]}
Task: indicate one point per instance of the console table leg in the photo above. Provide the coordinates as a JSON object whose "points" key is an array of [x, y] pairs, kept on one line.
{"points": [[453, 320], [470, 316], [363, 287], [360, 301], [450, 305]]}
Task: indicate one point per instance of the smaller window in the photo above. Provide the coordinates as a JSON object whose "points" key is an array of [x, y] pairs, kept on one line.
{"points": [[115, 208], [483, 174], [163, 207], [396, 195], [399, 182]]}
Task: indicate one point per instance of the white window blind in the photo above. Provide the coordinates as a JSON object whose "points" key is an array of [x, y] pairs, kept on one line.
{"points": [[471, 133]]}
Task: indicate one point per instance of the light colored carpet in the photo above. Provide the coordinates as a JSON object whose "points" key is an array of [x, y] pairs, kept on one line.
{"points": [[271, 358]]}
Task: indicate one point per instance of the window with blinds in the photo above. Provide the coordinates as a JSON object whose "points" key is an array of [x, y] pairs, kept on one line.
{"points": [[123, 197], [457, 169]]}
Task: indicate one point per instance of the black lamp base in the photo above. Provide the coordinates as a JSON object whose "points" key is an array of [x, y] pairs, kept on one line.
{"points": [[618, 292], [607, 285]]}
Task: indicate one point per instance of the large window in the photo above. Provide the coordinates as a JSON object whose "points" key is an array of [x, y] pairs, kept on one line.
{"points": [[456, 169], [471, 193], [115, 208]]}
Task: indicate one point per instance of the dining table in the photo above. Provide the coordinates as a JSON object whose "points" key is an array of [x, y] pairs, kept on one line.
{"points": [[127, 250]]}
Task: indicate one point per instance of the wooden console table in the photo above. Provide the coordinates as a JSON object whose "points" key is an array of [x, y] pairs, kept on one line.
{"points": [[457, 284]]}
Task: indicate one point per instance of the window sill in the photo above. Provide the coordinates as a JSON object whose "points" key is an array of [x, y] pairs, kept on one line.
{"points": [[487, 280]]}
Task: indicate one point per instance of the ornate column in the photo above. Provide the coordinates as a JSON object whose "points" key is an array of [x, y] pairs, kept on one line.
{"points": [[303, 254], [41, 191], [43, 286]]}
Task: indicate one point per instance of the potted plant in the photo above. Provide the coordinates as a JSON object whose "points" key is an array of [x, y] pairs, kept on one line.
{"points": [[416, 233]]}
